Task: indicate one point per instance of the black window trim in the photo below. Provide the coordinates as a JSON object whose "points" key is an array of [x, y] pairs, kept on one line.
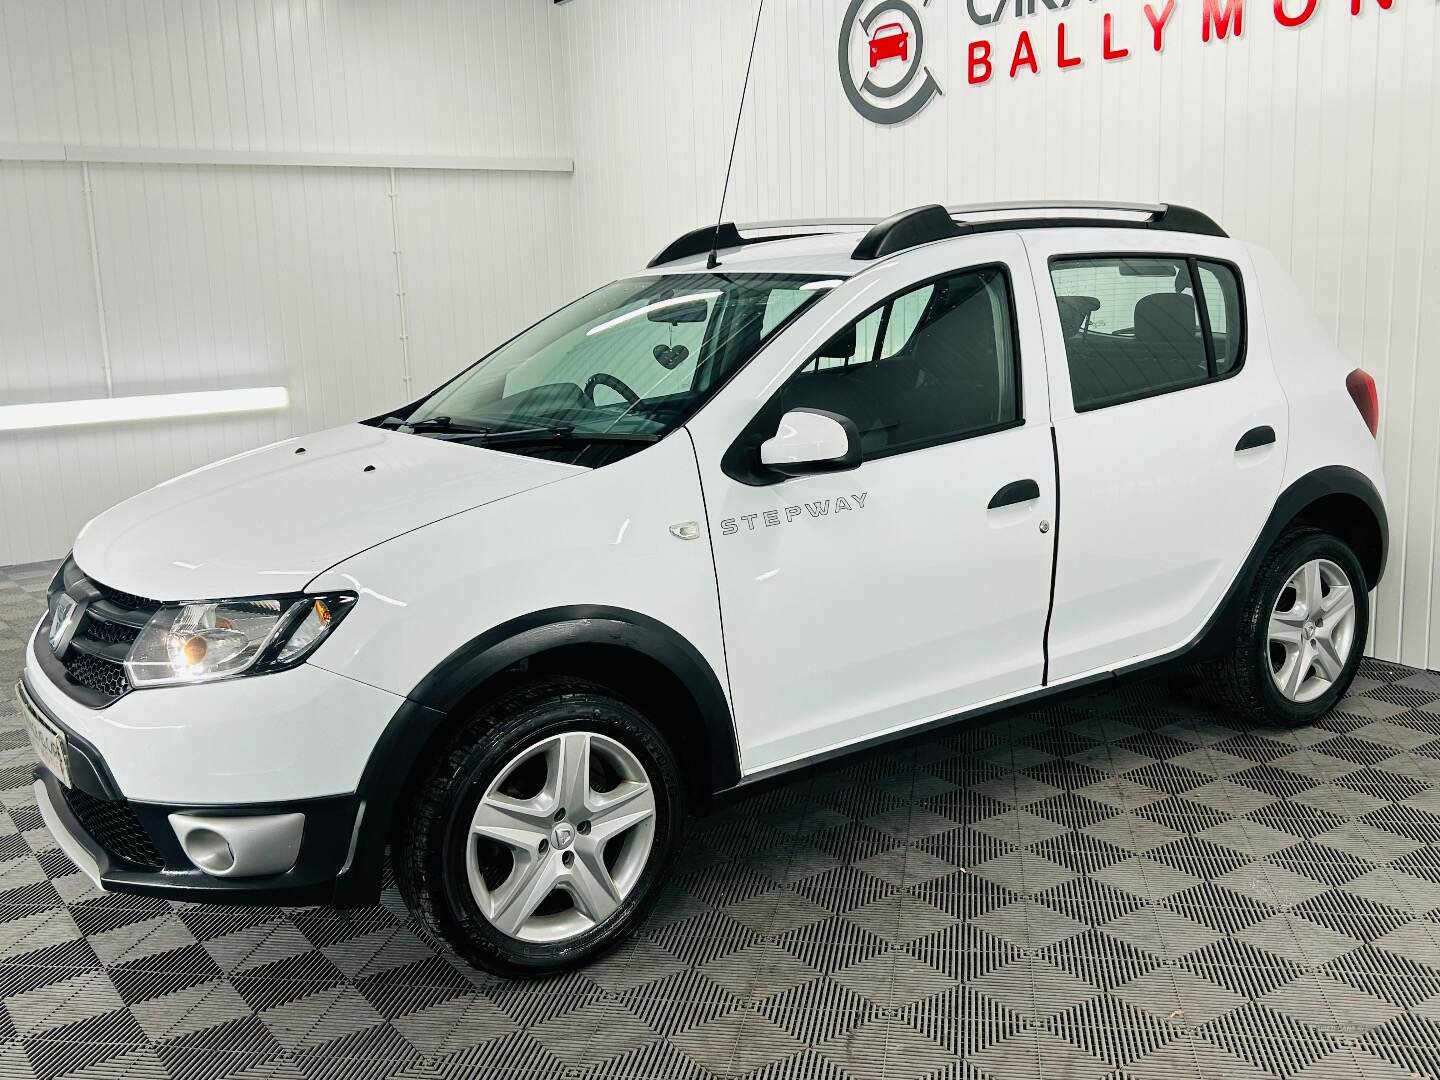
{"points": [[1192, 263]]}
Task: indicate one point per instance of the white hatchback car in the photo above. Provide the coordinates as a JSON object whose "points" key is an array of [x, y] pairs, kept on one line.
{"points": [[827, 486]]}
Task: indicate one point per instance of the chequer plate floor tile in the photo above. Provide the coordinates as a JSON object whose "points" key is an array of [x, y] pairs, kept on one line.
{"points": [[1124, 886]]}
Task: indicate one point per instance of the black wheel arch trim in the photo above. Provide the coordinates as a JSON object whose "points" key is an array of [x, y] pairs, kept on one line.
{"points": [[427, 708]]}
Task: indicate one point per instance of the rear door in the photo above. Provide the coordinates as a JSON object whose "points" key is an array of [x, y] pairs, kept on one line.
{"points": [[916, 585], [1171, 431]]}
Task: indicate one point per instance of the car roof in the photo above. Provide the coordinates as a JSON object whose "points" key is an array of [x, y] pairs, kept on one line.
{"points": [[846, 246]]}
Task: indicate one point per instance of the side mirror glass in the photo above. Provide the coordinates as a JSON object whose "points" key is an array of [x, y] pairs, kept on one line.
{"points": [[812, 441]]}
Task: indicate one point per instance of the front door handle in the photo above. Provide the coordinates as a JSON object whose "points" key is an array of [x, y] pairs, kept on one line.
{"points": [[1017, 491], [1256, 437]]}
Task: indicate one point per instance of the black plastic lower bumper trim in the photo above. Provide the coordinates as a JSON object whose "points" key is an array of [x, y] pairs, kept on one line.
{"points": [[329, 826]]}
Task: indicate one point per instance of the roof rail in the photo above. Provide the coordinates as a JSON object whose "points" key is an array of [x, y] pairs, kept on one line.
{"points": [[1171, 217], [925, 224], [961, 209], [727, 235], [698, 242], [907, 229]]}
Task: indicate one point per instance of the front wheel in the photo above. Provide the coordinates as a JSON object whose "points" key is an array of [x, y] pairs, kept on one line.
{"points": [[1302, 631], [542, 836]]}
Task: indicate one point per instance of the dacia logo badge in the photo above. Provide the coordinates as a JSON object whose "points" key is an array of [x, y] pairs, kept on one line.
{"points": [[64, 619]]}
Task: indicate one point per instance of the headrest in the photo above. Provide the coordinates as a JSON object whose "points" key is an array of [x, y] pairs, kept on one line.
{"points": [[1167, 317], [1074, 310]]}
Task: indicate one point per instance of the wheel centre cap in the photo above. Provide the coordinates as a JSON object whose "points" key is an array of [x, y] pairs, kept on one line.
{"points": [[564, 835]]}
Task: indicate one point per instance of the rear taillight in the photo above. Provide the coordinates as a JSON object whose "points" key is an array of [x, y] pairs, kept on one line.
{"points": [[1361, 385]]}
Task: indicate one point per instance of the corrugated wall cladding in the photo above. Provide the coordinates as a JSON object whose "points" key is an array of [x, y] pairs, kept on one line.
{"points": [[1322, 143], [208, 276]]}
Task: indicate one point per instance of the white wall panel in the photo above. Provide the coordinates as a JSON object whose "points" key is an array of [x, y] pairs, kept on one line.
{"points": [[49, 347], [1322, 142], [217, 276], [364, 76], [472, 278]]}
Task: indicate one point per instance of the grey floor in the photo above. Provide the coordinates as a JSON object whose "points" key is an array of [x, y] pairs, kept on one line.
{"points": [[1130, 886]]}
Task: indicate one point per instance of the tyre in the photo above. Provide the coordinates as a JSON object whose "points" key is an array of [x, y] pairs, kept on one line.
{"points": [[1302, 631], [541, 835]]}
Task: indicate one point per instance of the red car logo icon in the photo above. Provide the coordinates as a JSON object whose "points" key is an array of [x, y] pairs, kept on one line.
{"points": [[889, 41]]}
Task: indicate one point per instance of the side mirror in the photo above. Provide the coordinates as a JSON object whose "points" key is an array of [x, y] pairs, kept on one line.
{"points": [[812, 441]]}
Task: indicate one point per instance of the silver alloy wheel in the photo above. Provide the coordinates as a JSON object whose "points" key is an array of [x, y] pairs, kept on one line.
{"points": [[548, 856], [1312, 630]]}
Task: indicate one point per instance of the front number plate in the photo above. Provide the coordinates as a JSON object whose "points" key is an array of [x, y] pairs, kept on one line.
{"points": [[47, 741]]}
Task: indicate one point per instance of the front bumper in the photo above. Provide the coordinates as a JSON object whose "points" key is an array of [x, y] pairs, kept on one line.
{"points": [[282, 737], [115, 862], [115, 823]]}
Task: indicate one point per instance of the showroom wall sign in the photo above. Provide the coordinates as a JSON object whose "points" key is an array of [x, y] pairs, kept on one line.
{"points": [[882, 54], [889, 30]]}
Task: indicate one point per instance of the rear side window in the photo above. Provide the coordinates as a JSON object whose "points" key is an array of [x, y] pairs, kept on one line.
{"points": [[1139, 325], [933, 364]]}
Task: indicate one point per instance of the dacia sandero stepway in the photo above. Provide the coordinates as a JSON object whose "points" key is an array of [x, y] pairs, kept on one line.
{"points": [[795, 490]]}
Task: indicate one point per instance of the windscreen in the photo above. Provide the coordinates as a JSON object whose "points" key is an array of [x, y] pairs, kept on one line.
{"points": [[638, 356]]}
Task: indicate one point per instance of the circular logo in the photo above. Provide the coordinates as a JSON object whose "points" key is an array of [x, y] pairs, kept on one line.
{"points": [[564, 835], [880, 60]]}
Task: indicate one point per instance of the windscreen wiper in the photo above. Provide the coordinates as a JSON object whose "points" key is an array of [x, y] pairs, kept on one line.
{"points": [[526, 436], [433, 424]]}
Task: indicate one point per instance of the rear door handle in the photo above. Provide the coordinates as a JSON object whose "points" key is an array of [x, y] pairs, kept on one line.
{"points": [[1256, 437], [1017, 491]]}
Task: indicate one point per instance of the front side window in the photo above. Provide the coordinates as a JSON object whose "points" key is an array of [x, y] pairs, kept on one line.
{"points": [[1139, 325], [933, 364], [635, 358]]}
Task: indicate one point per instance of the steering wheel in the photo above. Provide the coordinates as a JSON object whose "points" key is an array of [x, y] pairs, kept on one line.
{"points": [[603, 378]]}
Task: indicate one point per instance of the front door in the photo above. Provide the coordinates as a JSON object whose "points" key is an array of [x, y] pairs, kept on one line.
{"points": [[915, 586]]}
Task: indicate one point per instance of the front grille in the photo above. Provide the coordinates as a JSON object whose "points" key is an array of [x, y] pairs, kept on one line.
{"points": [[95, 661], [107, 633], [94, 673], [125, 600], [115, 827]]}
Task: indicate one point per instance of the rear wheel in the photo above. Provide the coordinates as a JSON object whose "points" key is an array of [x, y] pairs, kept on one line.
{"points": [[542, 835], [1302, 631]]}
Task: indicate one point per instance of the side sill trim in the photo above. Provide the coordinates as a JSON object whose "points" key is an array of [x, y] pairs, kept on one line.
{"points": [[918, 732]]}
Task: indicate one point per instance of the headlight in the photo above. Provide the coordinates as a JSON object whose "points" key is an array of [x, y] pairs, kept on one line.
{"points": [[202, 642]]}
